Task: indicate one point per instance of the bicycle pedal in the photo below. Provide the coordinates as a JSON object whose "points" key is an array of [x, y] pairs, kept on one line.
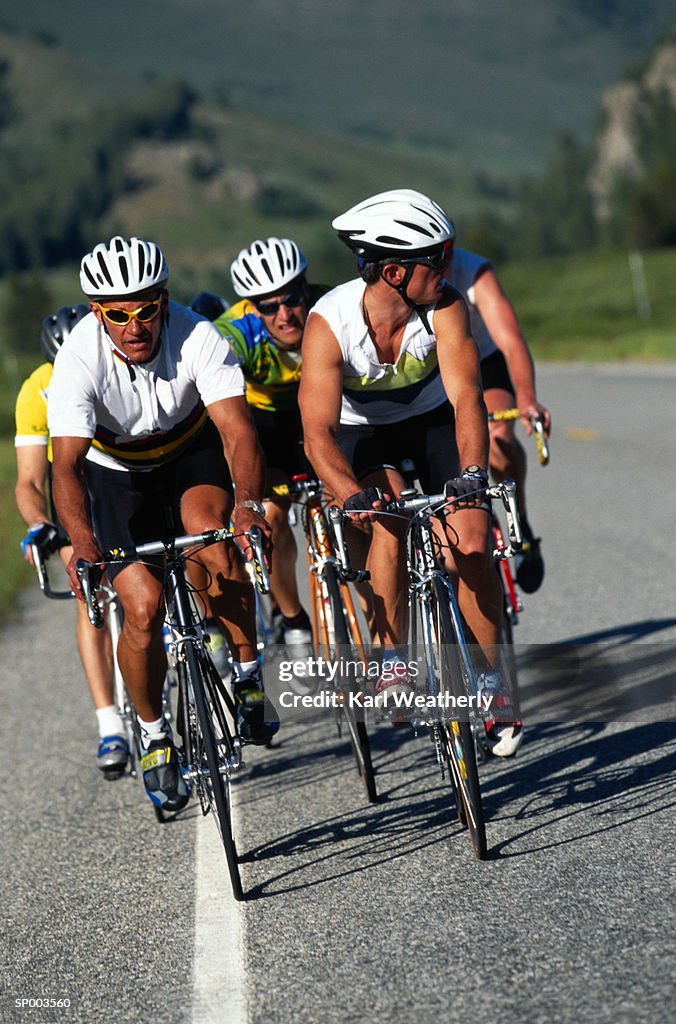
{"points": [[113, 773]]}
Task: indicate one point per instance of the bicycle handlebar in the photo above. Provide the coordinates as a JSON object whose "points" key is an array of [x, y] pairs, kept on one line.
{"points": [[89, 573], [424, 505], [299, 485], [536, 422], [40, 566]]}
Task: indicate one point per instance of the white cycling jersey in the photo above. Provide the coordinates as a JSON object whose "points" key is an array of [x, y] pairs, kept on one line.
{"points": [[466, 267], [140, 415], [375, 392]]}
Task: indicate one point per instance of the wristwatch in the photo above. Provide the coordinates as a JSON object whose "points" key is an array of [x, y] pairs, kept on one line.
{"points": [[256, 506], [476, 471]]}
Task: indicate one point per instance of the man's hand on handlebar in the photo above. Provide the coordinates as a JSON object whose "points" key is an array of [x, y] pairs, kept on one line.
{"points": [[469, 489], [534, 411], [45, 537], [243, 518], [364, 503], [88, 552]]}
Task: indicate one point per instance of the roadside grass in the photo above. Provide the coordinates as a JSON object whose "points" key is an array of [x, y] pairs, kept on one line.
{"points": [[584, 307], [15, 574]]}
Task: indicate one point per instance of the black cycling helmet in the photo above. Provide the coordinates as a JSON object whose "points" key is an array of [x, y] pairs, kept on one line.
{"points": [[57, 327], [209, 304]]}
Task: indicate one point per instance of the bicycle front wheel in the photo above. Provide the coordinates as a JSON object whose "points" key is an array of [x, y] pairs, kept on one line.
{"points": [[455, 739], [209, 751], [339, 624]]}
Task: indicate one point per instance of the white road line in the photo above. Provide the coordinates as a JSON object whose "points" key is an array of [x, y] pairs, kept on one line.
{"points": [[218, 978]]}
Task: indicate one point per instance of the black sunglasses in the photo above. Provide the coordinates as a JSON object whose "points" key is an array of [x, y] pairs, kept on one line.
{"points": [[437, 259], [294, 298]]}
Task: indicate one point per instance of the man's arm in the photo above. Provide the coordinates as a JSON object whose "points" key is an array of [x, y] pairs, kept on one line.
{"points": [[31, 483], [319, 397], [31, 498], [245, 459], [501, 321], [72, 502], [459, 367]]}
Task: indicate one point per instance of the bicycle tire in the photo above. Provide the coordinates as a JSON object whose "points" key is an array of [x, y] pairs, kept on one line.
{"points": [[456, 737], [345, 640], [509, 655], [210, 772]]}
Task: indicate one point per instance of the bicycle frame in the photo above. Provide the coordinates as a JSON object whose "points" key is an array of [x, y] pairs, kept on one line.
{"points": [[336, 629]]}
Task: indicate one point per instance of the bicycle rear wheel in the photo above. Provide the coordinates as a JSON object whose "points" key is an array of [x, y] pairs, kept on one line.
{"points": [[338, 635], [454, 740], [208, 750]]}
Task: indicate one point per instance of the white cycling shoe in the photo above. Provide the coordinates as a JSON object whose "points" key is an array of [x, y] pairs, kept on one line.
{"points": [[503, 739]]}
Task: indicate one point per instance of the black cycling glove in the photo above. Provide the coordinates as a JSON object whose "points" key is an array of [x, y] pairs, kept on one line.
{"points": [[470, 486], [45, 536], [362, 501]]}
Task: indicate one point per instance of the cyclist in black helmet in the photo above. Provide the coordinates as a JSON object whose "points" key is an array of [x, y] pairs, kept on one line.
{"points": [[209, 305]]}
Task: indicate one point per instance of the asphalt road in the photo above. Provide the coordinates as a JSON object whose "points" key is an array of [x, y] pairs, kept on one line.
{"points": [[379, 913]]}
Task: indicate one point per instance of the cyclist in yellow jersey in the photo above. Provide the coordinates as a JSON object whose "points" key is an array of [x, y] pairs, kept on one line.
{"points": [[33, 461], [265, 331]]}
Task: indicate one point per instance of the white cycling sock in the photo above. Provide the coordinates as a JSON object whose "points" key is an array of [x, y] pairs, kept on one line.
{"points": [[243, 669], [150, 731], [109, 721]]}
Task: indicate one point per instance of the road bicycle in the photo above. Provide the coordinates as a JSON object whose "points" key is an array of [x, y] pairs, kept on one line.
{"points": [[337, 631], [210, 749], [450, 696], [513, 604]]}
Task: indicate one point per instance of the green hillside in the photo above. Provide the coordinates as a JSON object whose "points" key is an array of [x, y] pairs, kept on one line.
{"points": [[488, 82]]}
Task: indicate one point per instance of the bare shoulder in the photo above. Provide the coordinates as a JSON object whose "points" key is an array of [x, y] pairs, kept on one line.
{"points": [[451, 311], [320, 344]]}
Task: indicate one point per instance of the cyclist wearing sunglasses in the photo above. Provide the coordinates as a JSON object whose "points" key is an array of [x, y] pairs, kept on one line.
{"points": [[33, 500], [391, 373], [145, 400], [265, 331]]}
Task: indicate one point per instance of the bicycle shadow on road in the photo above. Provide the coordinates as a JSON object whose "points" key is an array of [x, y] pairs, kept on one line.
{"points": [[602, 677], [416, 812], [593, 778]]}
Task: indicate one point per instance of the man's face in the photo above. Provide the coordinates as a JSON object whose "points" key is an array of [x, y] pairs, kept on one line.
{"points": [[284, 314], [137, 339], [426, 283]]}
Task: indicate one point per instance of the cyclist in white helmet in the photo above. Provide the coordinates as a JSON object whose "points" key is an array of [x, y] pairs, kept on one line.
{"points": [[265, 331], [145, 400], [33, 501], [391, 372]]}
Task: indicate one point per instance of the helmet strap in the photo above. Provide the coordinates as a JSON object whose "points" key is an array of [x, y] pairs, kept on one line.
{"points": [[401, 289]]}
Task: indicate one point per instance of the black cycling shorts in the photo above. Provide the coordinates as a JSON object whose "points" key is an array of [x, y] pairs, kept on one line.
{"points": [[494, 373], [129, 508], [427, 440], [281, 436]]}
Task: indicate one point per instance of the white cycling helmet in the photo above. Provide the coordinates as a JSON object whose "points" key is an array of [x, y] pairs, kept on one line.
{"points": [[266, 267], [399, 222], [122, 267]]}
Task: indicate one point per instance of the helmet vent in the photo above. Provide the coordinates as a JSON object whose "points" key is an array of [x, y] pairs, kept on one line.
{"points": [[124, 269], [105, 273], [416, 227]]}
